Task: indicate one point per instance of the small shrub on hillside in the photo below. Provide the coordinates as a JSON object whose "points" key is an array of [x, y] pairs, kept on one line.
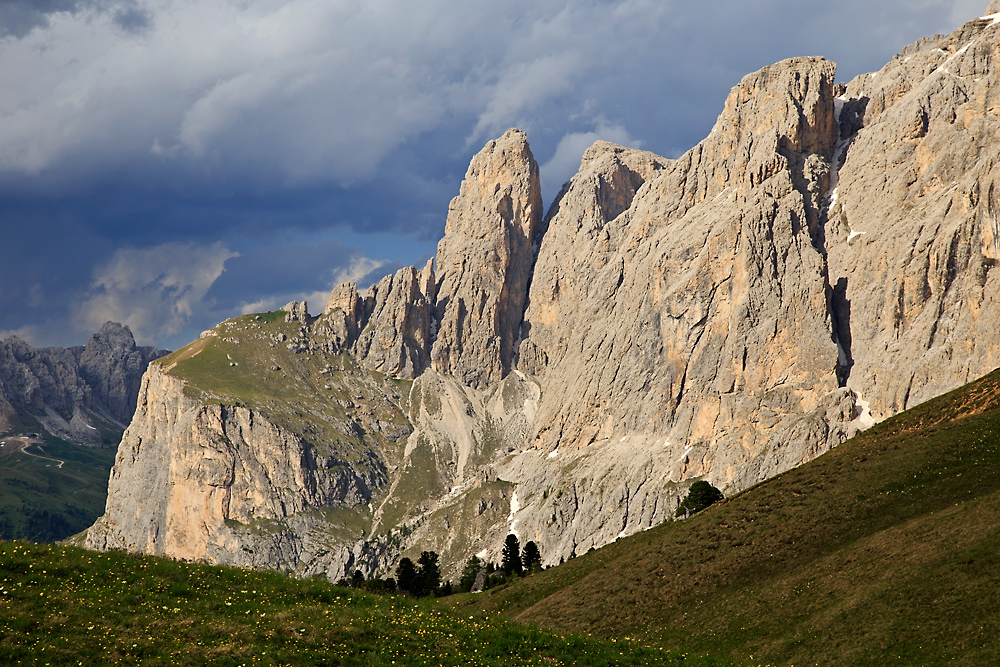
{"points": [[700, 496]]}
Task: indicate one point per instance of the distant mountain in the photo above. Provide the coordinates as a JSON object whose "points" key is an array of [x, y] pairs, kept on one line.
{"points": [[880, 552], [828, 256], [84, 395]]}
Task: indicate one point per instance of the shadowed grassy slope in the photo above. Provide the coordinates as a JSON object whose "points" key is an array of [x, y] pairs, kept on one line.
{"points": [[66, 606], [885, 551]]}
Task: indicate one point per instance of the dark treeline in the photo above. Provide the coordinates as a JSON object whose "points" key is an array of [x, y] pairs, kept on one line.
{"points": [[423, 578]]}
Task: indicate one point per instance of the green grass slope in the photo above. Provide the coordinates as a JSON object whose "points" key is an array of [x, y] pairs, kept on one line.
{"points": [[884, 551], [67, 606], [53, 490]]}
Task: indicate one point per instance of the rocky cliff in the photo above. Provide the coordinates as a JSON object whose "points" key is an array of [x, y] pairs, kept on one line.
{"points": [[82, 394], [826, 257]]}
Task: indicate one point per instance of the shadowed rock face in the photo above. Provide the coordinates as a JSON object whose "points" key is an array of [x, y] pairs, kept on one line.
{"points": [[826, 257], [112, 365], [71, 389]]}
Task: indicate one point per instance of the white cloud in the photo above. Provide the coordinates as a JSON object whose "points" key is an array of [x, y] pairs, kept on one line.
{"points": [[157, 292], [356, 270]]}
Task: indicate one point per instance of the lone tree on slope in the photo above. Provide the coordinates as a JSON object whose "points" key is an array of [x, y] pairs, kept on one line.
{"points": [[469, 574], [511, 562], [700, 495]]}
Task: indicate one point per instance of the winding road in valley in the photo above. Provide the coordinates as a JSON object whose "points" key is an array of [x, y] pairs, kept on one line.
{"points": [[22, 443]]}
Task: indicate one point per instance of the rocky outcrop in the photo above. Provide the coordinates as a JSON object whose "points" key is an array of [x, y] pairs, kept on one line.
{"points": [[224, 468], [112, 366], [83, 394], [465, 318], [398, 333], [484, 262], [826, 257]]}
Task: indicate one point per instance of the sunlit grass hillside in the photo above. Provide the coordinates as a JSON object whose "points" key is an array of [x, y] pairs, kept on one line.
{"points": [[884, 551], [66, 606]]}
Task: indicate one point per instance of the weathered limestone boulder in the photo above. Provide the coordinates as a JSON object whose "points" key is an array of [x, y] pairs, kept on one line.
{"points": [[296, 312], [344, 313], [484, 262]]}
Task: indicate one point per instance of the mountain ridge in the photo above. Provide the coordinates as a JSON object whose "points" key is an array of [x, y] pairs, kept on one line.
{"points": [[84, 394], [822, 260]]}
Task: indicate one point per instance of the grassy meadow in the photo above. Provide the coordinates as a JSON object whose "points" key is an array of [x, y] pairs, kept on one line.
{"points": [[66, 606]]}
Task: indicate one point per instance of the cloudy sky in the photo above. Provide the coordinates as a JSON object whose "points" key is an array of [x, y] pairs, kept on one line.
{"points": [[171, 163]]}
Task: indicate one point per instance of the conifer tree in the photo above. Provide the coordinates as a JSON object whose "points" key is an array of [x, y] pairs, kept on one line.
{"points": [[429, 574], [511, 563], [700, 495], [406, 576], [531, 557], [469, 574]]}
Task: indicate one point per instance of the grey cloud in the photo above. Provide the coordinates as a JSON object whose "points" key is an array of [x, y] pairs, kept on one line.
{"points": [[291, 99], [19, 17], [133, 19]]}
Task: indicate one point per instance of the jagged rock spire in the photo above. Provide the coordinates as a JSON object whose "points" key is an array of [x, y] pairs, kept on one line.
{"points": [[485, 261]]}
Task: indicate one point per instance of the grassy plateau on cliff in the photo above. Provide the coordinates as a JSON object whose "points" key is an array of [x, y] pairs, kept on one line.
{"points": [[883, 551]]}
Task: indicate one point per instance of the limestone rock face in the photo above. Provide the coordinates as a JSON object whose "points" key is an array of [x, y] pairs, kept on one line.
{"points": [[484, 262], [397, 334], [703, 314], [223, 468], [912, 233]]}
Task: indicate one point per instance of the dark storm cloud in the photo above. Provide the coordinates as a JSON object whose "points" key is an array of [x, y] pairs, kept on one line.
{"points": [[271, 273], [132, 18]]}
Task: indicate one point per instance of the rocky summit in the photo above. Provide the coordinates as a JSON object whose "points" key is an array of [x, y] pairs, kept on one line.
{"points": [[82, 394], [825, 258]]}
